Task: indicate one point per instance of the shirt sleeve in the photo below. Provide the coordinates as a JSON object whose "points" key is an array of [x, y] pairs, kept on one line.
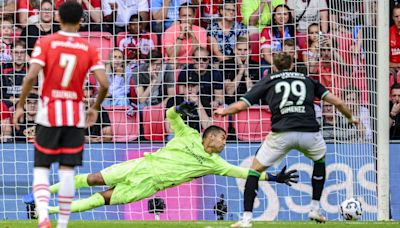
{"points": [[143, 6], [265, 38], [223, 168], [95, 60], [248, 7], [322, 5], [156, 5], [169, 77], [23, 5], [38, 54], [95, 3], [105, 5], [319, 90], [176, 122], [169, 36], [202, 37], [256, 93]]}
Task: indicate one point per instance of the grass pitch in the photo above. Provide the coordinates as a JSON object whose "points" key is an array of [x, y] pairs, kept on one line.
{"points": [[196, 224]]}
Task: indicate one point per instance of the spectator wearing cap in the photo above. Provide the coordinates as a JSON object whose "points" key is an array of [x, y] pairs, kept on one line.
{"points": [[118, 12], [223, 33], [183, 37], [190, 89], [211, 81], [26, 131], [28, 12], [240, 73], [92, 14], [155, 81], [101, 131]]}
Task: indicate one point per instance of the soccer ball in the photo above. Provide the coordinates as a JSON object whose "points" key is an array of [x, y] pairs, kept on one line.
{"points": [[351, 209]]}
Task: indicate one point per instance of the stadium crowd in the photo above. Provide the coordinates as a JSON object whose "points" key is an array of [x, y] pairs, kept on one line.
{"points": [[210, 52]]}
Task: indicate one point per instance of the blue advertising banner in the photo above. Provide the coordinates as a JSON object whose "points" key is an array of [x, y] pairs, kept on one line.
{"points": [[350, 173]]}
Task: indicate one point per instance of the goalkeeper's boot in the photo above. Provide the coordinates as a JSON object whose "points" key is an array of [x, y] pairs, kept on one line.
{"points": [[316, 216], [242, 223], [45, 224], [28, 199]]}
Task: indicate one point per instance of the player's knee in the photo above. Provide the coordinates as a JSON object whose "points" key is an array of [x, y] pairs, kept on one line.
{"points": [[257, 166], [107, 196], [95, 179]]}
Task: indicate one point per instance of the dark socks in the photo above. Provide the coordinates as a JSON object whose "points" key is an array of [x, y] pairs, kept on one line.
{"points": [[250, 190]]}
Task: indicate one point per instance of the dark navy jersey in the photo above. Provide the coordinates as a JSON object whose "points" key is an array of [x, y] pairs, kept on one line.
{"points": [[290, 96]]}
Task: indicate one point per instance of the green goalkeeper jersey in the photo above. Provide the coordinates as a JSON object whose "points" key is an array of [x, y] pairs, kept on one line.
{"points": [[184, 158]]}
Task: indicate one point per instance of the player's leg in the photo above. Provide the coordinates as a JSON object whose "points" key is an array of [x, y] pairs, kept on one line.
{"points": [[83, 181], [46, 143], [96, 200], [272, 150], [313, 146], [71, 149]]}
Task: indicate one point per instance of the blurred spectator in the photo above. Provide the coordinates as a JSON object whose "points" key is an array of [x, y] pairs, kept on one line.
{"points": [[92, 14], [28, 12], [240, 73], [101, 131], [13, 75], [363, 132], [119, 78], [155, 82], [222, 33], [272, 38], [393, 3], [289, 47], [328, 122], [7, 30], [348, 13], [5, 118], [311, 51], [183, 37], [190, 92], [166, 12], [8, 8], [395, 42], [27, 127], [43, 27], [210, 11], [257, 13], [136, 45], [310, 11], [118, 12], [395, 112], [211, 81]]}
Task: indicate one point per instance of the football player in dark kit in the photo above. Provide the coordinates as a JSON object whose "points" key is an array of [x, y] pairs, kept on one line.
{"points": [[290, 96]]}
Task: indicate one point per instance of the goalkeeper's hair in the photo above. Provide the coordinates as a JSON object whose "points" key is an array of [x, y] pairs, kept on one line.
{"points": [[213, 129], [70, 12]]}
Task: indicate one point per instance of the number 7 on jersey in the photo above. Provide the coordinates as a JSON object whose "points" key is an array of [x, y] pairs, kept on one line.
{"points": [[68, 62]]}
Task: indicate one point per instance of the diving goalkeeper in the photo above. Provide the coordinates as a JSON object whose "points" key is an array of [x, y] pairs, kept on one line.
{"points": [[186, 157]]}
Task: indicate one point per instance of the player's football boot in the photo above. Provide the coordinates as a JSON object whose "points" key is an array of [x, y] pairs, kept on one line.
{"points": [[28, 199], [45, 224], [242, 223], [316, 216]]}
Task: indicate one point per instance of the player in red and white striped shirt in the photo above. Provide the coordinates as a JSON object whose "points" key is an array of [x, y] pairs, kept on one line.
{"points": [[65, 59]]}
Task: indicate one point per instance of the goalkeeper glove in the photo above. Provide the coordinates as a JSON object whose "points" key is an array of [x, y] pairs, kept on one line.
{"points": [[284, 177], [186, 108]]}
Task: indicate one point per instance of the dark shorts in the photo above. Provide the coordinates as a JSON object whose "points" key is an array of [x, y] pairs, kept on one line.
{"points": [[59, 144]]}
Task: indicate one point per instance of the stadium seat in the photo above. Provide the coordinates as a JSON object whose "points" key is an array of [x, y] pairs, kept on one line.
{"points": [[255, 47], [102, 40], [125, 127], [253, 124], [222, 122], [153, 123]]}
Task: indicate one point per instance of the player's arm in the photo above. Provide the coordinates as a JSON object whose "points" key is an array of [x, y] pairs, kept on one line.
{"points": [[230, 170], [27, 85], [340, 105], [232, 109]]}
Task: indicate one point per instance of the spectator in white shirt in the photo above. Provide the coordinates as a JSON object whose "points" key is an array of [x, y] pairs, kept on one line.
{"points": [[118, 13]]}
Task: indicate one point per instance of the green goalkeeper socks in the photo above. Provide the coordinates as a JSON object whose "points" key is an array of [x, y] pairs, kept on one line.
{"points": [[93, 201], [80, 182]]}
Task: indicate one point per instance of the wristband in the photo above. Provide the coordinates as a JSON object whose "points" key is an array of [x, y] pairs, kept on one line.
{"points": [[271, 177]]}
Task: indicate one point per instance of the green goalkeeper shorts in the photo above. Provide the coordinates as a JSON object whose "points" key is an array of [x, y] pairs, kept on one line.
{"points": [[132, 181]]}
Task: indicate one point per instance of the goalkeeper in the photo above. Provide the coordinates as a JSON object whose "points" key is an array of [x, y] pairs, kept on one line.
{"points": [[186, 157]]}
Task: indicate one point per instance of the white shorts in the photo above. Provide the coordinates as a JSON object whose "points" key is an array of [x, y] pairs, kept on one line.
{"points": [[277, 145]]}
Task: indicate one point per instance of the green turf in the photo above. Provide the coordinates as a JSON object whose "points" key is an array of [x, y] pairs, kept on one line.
{"points": [[198, 224]]}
